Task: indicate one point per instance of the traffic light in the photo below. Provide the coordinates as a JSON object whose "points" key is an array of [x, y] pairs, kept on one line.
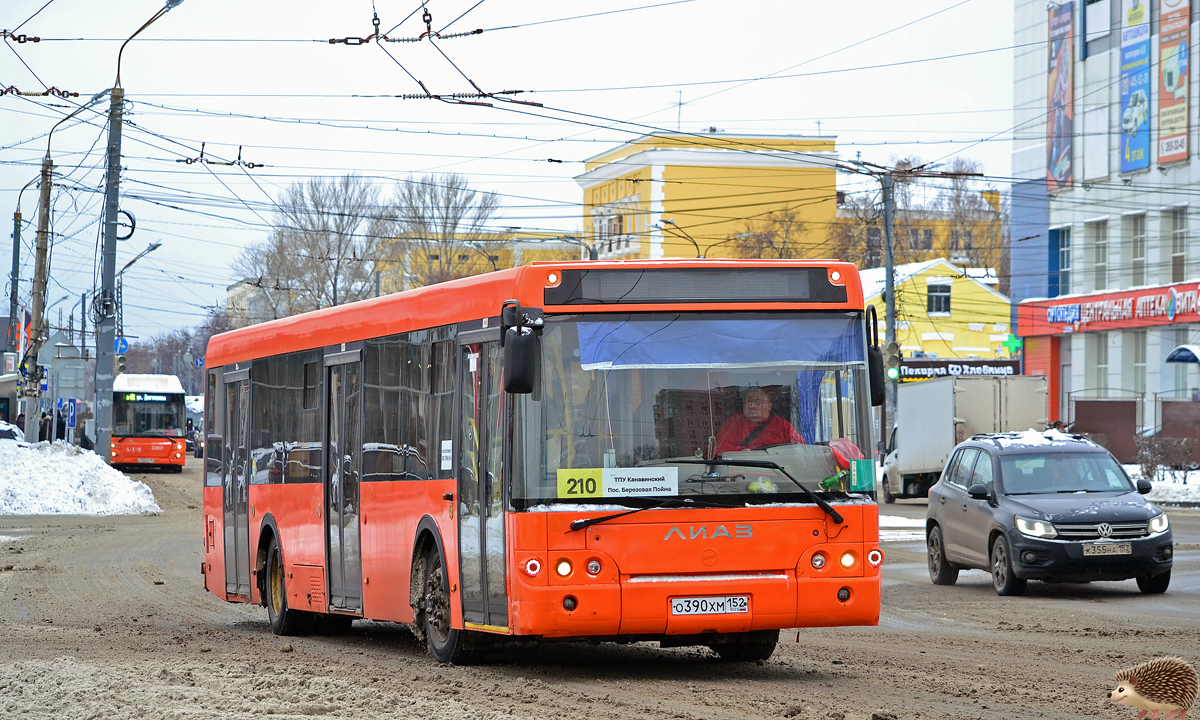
{"points": [[120, 364], [891, 360]]}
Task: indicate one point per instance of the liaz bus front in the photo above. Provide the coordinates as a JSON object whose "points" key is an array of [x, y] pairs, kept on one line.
{"points": [[686, 459], [148, 421]]}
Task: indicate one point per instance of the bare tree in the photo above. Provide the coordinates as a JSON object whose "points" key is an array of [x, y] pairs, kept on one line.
{"points": [[779, 234], [441, 230], [323, 248], [975, 214], [176, 352], [858, 235]]}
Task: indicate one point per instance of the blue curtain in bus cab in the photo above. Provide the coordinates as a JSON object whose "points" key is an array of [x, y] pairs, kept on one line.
{"points": [[679, 343]]}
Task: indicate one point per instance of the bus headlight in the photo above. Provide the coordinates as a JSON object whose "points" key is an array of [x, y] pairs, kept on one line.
{"points": [[847, 560], [563, 568], [818, 561]]}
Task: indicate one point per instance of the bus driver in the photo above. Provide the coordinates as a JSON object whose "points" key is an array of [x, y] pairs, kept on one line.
{"points": [[755, 426]]}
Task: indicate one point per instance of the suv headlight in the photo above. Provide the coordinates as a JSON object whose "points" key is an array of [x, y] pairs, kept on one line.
{"points": [[1036, 528], [1159, 524]]}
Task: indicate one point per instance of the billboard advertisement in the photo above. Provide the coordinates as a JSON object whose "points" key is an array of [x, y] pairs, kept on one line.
{"points": [[1173, 57], [1061, 106], [1135, 85]]}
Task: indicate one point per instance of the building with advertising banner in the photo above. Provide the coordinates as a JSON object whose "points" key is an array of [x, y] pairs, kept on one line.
{"points": [[1113, 354], [1113, 239]]}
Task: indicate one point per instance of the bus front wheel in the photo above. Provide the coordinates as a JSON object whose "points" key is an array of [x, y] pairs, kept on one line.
{"points": [[446, 644]]}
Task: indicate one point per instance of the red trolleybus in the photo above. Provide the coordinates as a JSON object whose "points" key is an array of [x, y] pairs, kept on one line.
{"points": [[645, 450], [148, 422]]}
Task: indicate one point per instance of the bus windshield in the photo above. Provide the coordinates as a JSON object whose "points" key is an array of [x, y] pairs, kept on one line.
{"points": [[653, 406], [148, 418]]}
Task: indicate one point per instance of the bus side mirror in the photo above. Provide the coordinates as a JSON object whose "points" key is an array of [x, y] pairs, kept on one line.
{"points": [[875, 371], [875, 359], [520, 336], [522, 358]]}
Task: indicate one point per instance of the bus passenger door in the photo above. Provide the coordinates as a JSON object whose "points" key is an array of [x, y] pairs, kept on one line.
{"points": [[343, 451], [481, 497], [236, 482]]}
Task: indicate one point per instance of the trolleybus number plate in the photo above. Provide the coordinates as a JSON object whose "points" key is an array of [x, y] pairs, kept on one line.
{"points": [[1108, 549], [710, 605]]}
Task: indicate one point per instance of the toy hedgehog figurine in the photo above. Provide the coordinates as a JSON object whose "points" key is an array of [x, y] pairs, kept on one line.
{"points": [[1163, 688]]}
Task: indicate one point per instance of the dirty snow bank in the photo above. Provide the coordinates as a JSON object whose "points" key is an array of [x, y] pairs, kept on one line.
{"points": [[59, 479]]}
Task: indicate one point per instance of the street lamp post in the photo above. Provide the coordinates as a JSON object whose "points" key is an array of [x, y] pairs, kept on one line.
{"points": [[121, 286], [690, 239], [726, 241], [590, 247], [106, 304]]}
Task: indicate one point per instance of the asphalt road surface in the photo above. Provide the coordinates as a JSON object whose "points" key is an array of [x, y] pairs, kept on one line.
{"points": [[106, 618]]}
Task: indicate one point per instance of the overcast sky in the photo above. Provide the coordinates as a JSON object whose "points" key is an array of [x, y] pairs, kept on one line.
{"points": [[262, 75]]}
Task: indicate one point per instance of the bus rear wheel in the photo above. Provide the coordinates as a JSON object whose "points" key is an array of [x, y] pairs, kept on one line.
{"points": [[447, 644], [748, 647], [284, 620]]}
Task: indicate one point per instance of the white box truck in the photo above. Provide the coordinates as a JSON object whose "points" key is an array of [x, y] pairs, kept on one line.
{"points": [[932, 416]]}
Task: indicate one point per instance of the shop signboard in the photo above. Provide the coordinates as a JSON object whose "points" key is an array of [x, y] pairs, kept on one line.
{"points": [[1061, 97], [927, 368], [1173, 79], [1135, 85], [1144, 307]]}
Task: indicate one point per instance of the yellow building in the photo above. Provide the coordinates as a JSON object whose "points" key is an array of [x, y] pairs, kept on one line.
{"points": [[943, 310], [711, 195]]}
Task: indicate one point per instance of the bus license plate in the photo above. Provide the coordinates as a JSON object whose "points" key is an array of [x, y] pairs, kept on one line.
{"points": [[728, 604], [1108, 549], [145, 460]]}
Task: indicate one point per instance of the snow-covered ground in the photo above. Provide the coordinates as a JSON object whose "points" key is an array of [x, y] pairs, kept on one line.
{"points": [[58, 479]]}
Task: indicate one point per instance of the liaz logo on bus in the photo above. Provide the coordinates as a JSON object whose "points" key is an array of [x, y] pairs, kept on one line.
{"points": [[702, 532]]}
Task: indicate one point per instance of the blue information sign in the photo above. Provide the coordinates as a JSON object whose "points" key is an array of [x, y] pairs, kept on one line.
{"points": [[199, 362], [120, 346], [71, 412]]}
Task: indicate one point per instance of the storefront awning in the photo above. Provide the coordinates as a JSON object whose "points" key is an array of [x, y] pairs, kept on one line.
{"points": [[1185, 354]]}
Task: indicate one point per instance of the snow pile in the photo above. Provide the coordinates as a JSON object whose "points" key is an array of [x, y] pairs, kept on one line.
{"points": [[1170, 486], [894, 528], [59, 479]]}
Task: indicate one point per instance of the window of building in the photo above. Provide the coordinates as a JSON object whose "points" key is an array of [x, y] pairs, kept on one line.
{"points": [[1100, 380], [1137, 252], [1178, 243], [927, 239], [914, 239], [968, 240], [1138, 340], [955, 240], [939, 299], [874, 247], [1100, 255], [1060, 262]]}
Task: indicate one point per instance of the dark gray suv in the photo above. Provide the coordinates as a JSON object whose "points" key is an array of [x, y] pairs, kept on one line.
{"points": [[1044, 506]]}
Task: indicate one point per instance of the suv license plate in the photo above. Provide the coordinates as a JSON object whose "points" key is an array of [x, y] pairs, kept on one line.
{"points": [[1108, 549], [728, 604], [145, 460]]}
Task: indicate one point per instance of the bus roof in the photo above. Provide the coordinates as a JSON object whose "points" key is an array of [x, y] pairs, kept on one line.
{"points": [[480, 296], [133, 382]]}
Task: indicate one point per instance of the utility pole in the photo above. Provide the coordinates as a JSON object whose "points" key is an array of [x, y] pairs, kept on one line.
{"points": [[106, 303], [889, 288], [33, 374], [12, 345]]}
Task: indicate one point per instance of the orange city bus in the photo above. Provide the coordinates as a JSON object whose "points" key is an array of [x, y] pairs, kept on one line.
{"points": [[555, 451], [148, 422]]}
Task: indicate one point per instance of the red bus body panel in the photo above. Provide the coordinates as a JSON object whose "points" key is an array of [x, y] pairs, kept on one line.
{"points": [[148, 451]]}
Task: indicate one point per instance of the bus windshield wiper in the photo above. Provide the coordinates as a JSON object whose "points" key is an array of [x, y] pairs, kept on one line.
{"points": [[820, 501], [669, 502]]}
